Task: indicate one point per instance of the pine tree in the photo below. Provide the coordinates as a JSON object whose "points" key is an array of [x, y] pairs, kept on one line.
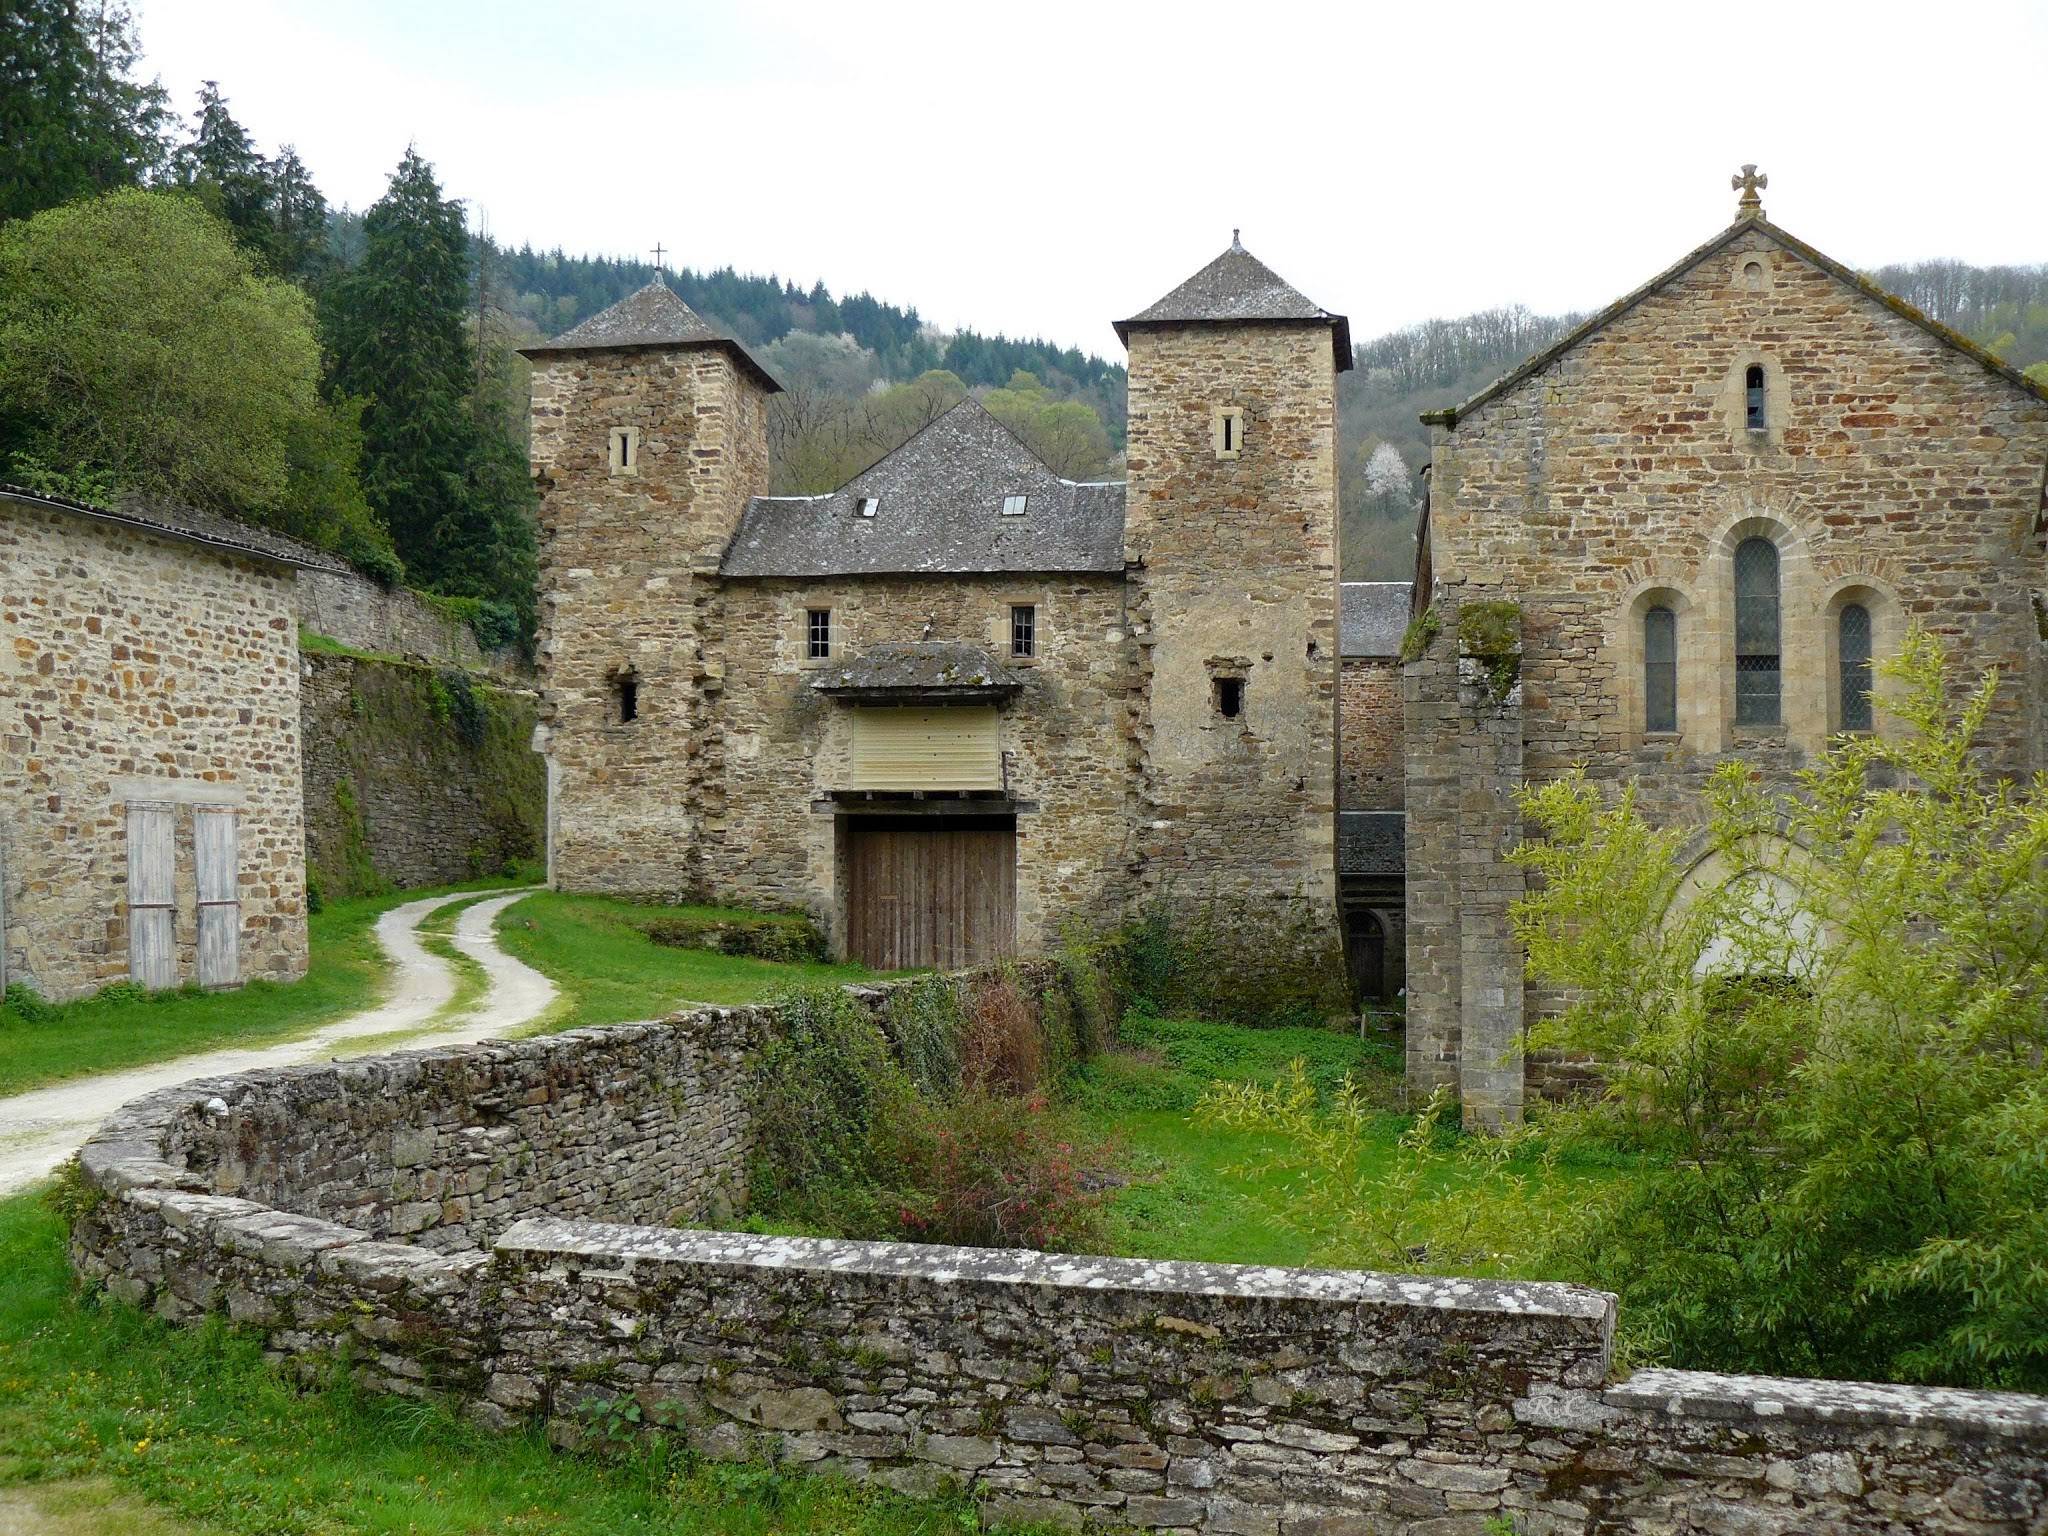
{"points": [[447, 484], [298, 215], [73, 121], [222, 166]]}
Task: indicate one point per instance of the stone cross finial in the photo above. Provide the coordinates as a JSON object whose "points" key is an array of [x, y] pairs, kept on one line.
{"points": [[1235, 243], [1749, 183], [658, 248]]}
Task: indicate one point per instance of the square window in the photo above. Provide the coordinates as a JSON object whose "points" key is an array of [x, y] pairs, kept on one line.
{"points": [[624, 452], [867, 504], [818, 634], [1013, 506], [1023, 630]]}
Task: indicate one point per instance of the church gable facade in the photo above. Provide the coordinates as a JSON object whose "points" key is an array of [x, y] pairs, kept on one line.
{"points": [[1703, 520]]}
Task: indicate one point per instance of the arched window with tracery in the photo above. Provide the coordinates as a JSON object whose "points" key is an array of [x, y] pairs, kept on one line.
{"points": [[1853, 647], [1758, 686], [1660, 669]]}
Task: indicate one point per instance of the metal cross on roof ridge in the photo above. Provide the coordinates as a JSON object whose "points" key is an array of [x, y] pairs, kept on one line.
{"points": [[1749, 183], [658, 249]]}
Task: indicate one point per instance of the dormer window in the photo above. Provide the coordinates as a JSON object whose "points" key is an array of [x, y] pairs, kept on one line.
{"points": [[1753, 394], [866, 505], [1227, 431], [1013, 506], [625, 450]]}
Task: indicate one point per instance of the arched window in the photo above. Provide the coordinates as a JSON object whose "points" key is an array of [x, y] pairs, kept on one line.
{"points": [[1853, 646], [1660, 670], [1756, 633], [1753, 397]]}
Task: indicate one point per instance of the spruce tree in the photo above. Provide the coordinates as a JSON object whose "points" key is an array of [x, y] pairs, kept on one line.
{"points": [[222, 166], [298, 215], [73, 121], [448, 486]]}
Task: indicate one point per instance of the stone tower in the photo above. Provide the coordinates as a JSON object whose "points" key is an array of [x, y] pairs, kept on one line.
{"points": [[1231, 534], [649, 434]]}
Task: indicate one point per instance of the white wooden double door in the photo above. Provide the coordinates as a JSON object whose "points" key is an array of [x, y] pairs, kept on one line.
{"points": [[153, 896]]}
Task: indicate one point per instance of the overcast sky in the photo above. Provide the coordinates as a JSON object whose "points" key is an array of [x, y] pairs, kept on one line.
{"points": [[1046, 168]]}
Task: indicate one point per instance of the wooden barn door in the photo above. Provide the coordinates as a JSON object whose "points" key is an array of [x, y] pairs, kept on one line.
{"points": [[218, 867], [931, 892], [152, 896]]}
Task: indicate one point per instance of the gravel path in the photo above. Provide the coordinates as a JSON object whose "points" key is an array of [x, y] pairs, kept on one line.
{"points": [[39, 1129]]}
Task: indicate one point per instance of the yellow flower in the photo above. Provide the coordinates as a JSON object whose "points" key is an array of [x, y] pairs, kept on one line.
{"points": [[142, 1445]]}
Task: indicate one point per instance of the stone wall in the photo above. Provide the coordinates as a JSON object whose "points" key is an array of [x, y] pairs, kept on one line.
{"points": [[1234, 577], [624, 563], [396, 794], [366, 615], [1893, 471], [138, 670], [1371, 767], [1173, 1396]]}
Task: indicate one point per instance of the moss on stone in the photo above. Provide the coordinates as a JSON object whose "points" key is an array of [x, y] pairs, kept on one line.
{"points": [[1491, 633], [1421, 634]]}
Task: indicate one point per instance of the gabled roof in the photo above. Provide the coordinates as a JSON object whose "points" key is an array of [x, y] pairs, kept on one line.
{"points": [[1372, 843], [938, 508], [1450, 416], [1372, 617], [1239, 289], [190, 525], [650, 317]]}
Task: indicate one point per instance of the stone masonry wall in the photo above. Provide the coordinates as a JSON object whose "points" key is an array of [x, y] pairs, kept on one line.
{"points": [[773, 747], [622, 561], [366, 615], [1234, 576], [1893, 471], [136, 669], [1169, 1396], [1371, 770], [394, 793]]}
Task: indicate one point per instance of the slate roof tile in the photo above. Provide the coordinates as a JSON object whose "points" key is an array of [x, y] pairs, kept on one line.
{"points": [[1238, 288], [1372, 617], [191, 525], [652, 316]]}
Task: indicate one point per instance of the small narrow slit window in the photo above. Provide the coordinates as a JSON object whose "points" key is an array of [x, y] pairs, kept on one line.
{"points": [[625, 450], [1013, 506], [818, 634], [867, 505], [1230, 697], [1229, 432], [1753, 397], [1023, 630], [1660, 671], [1853, 641], [626, 695]]}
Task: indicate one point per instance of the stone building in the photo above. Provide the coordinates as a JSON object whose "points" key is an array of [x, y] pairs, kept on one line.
{"points": [[1683, 534], [150, 822], [1372, 621], [960, 702]]}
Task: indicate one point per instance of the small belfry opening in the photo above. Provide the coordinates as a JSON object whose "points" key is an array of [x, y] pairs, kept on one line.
{"points": [[1753, 397]]}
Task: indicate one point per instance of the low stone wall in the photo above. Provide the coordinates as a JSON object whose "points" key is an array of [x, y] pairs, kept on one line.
{"points": [[1187, 1397], [369, 616], [396, 794]]}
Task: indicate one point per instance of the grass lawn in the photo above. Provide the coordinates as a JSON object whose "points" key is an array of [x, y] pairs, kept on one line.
{"points": [[123, 1027], [596, 950], [102, 1406], [1203, 1193]]}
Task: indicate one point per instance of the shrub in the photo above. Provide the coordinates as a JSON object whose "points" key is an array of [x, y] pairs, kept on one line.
{"points": [[22, 1004], [1234, 960], [1002, 1050], [924, 1023], [787, 940], [1843, 1170], [994, 1170]]}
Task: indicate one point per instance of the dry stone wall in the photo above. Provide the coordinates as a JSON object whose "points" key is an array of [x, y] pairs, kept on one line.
{"points": [[398, 791], [138, 670], [366, 615], [426, 1219]]}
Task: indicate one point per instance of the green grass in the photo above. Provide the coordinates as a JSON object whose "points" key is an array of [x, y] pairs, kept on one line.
{"points": [[125, 1027], [194, 1422], [1197, 1192], [594, 949]]}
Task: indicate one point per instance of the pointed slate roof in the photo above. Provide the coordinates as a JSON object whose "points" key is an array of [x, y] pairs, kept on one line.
{"points": [[939, 508], [652, 316], [1239, 289], [1450, 415]]}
